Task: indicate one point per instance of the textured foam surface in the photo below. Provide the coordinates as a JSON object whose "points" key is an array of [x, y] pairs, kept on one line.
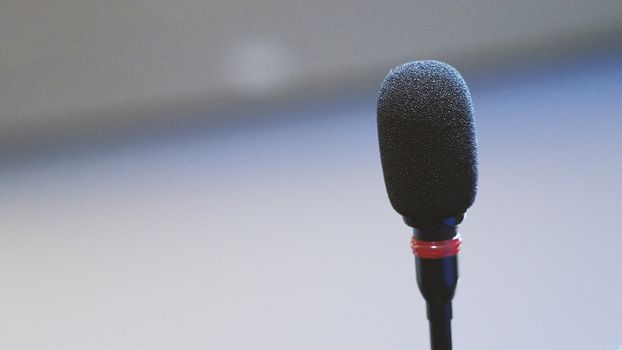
{"points": [[427, 141]]}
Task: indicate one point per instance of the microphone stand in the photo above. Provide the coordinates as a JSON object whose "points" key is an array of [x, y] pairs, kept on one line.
{"points": [[437, 279], [436, 261]]}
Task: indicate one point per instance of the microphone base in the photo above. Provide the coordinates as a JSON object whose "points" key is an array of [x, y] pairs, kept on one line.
{"points": [[433, 227]]}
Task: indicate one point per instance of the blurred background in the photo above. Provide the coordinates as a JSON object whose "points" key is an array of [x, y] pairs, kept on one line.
{"points": [[205, 175]]}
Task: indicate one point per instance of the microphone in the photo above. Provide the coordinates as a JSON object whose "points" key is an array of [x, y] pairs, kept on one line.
{"points": [[428, 151]]}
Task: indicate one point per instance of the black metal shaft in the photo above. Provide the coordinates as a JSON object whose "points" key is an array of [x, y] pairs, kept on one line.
{"points": [[440, 326], [437, 280]]}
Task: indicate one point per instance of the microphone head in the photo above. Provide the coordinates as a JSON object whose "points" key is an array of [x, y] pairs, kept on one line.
{"points": [[427, 142]]}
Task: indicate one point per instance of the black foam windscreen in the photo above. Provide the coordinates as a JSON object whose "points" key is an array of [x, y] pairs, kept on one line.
{"points": [[427, 141]]}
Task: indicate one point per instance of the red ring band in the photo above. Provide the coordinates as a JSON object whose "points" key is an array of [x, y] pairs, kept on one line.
{"points": [[436, 249]]}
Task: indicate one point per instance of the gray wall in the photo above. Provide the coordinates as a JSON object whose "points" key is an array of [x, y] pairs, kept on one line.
{"points": [[72, 67]]}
